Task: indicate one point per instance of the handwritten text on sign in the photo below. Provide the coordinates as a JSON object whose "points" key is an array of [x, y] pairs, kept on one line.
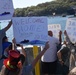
{"points": [[71, 29], [55, 28], [30, 28], [6, 9]]}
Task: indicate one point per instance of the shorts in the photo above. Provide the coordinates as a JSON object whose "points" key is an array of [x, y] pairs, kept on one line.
{"points": [[48, 67]]}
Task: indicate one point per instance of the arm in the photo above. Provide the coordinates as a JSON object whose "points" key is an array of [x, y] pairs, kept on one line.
{"points": [[39, 55], [60, 37], [8, 26], [15, 47], [23, 50], [10, 23], [67, 38], [60, 57]]}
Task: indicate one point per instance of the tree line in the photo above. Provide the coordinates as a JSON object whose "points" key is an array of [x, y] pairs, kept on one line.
{"points": [[58, 7]]}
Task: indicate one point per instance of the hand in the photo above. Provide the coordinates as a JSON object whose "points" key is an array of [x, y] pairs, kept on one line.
{"points": [[65, 32], [14, 41], [60, 32]]}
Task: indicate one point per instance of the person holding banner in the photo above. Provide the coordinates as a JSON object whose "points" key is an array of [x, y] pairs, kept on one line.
{"points": [[49, 59], [63, 59], [14, 64], [72, 47], [5, 45], [2, 34]]}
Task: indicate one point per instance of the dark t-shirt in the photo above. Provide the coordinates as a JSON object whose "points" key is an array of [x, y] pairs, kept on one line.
{"points": [[65, 51]]}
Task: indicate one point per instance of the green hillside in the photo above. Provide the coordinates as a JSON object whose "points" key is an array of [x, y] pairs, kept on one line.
{"points": [[47, 9]]}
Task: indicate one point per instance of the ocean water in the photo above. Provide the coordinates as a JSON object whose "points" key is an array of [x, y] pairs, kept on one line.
{"points": [[51, 20]]}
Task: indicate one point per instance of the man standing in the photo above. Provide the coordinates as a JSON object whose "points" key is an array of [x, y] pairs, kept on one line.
{"points": [[49, 59]]}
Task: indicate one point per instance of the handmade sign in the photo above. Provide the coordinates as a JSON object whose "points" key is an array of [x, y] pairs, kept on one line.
{"points": [[55, 28], [71, 29], [30, 30], [0, 25], [6, 9]]}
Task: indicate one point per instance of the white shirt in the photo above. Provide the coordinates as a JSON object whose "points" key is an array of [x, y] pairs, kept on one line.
{"points": [[51, 54]]}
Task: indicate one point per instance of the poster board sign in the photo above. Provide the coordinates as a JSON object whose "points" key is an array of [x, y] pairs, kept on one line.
{"points": [[55, 28], [0, 25], [30, 30], [71, 29], [72, 18], [6, 9]]}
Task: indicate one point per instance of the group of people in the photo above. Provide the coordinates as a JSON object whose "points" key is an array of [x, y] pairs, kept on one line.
{"points": [[49, 59], [12, 62], [60, 58], [56, 58]]}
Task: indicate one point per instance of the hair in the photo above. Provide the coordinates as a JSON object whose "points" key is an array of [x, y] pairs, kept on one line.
{"points": [[50, 33], [4, 38]]}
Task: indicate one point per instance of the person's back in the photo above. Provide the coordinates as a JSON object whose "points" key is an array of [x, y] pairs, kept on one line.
{"points": [[49, 59], [51, 53], [11, 64], [65, 55]]}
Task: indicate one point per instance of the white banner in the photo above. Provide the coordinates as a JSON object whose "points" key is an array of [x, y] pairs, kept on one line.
{"points": [[30, 30], [71, 29], [55, 28], [6, 9]]}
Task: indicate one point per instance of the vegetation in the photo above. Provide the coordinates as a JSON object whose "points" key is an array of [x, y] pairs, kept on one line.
{"points": [[46, 9]]}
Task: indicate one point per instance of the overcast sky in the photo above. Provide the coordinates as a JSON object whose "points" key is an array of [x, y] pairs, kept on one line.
{"points": [[26, 3]]}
